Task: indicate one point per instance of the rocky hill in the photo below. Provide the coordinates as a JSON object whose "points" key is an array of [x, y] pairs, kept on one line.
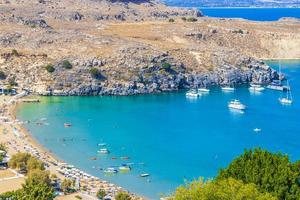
{"points": [[63, 48]]}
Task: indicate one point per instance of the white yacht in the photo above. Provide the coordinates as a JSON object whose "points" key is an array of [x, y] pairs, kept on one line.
{"points": [[255, 88], [124, 168], [228, 89], [204, 90], [192, 93], [236, 104], [288, 100], [103, 151]]}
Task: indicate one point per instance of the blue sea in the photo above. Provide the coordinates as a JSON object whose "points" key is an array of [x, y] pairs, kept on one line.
{"points": [[167, 135], [255, 14]]}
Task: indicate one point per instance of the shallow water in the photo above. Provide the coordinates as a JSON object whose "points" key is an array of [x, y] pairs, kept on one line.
{"points": [[167, 135]]}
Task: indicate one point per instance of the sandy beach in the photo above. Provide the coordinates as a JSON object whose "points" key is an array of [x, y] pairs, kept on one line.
{"points": [[17, 139]]}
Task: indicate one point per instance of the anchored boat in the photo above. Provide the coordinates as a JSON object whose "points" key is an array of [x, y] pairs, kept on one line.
{"points": [[236, 104]]}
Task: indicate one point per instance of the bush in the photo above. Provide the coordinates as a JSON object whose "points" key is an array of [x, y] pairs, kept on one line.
{"points": [[191, 19], [24, 161], [78, 197], [15, 52], [172, 20], [66, 64], [183, 18], [219, 190], [101, 194], [166, 65], [122, 196], [3, 147], [95, 72], [12, 82], [2, 75], [67, 186], [273, 173], [50, 68]]}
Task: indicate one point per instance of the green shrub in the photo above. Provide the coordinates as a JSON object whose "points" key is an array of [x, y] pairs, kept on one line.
{"points": [[172, 20], [95, 72], [166, 65], [123, 196], [50, 68], [66, 64], [183, 18], [2, 75], [78, 197], [220, 190], [24, 161], [101, 194], [273, 173], [14, 52], [191, 19]]}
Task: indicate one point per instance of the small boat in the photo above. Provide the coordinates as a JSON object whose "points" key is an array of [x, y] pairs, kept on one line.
{"points": [[288, 100], [256, 88], [236, 104], [144, 175], [103, 151], [124, 158], [277, 85], [110, 170], [228, 89], [102, 144], [257, 130], [124, 168], [192, 93], [67, 125], [204, 90]]}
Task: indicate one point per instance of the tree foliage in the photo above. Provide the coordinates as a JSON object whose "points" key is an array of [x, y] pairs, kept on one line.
{"points": [[226, 189], [272, 173], [37, 186], [50, 68], [67, 186], [24, 161], [95, 72], [101, 194], [123, 196], [66, 64]]}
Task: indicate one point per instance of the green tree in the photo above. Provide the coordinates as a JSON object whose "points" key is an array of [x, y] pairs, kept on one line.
{"points": [[37, 186], [66, 64], [19, 161], [226, 189], [95, 72], [50, 68], [67, 186], [171, 20], [2, 75], [3, 147], [101, 194], [166, 65], [272, 173], [123, 196], [183, 19], [34, 163]]}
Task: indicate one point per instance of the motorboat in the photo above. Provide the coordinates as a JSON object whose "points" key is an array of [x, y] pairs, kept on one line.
{"points": [[102, 144], [103, 151], [257, 130], [236, 104], [124, 168], [228, 89], [144, 175], [255, 88], [67, 125], [110, 170], [192, 93], [277, 85], [203, 90]]}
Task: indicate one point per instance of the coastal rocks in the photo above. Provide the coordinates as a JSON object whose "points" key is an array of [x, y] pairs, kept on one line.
{"points": [[9, 39], [76, 16], [41, 23]]}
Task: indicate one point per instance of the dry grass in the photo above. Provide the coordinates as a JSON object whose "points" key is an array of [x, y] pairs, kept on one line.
{"points": [[10, 185], [6, 174]]}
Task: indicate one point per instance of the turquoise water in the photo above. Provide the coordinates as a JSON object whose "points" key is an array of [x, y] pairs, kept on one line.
{"points": [[255, 14], [166, 135]]}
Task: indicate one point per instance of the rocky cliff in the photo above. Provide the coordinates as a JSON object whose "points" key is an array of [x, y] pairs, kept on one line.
{"points": [[61, 48]]}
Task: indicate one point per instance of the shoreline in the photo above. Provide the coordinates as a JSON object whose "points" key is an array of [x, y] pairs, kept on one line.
{"points": [[19, 139]]}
